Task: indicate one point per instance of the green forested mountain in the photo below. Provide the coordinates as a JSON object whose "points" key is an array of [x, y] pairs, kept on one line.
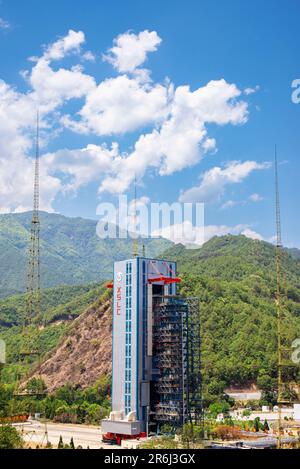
{"points": [[234, 277], [71, 251], [59, 305], [294, 252], [235, 280]]}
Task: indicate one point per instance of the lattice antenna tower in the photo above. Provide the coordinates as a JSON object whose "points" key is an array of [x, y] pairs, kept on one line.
{"points": [[280, 384], [135, 241], [33, 294]]}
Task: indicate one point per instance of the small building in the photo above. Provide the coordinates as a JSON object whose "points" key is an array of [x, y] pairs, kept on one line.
{"points": [[244, 395], [296, 413], [287, 413]]}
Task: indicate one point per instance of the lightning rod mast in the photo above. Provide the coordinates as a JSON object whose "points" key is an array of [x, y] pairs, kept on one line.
{"points": [[278, 303], [33, 296], [135, 242]]}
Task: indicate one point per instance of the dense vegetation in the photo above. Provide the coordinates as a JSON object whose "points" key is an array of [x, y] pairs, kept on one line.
{"points": [[71, 251], [59, 305], [234, 277], [69, 404], [10, 438]]}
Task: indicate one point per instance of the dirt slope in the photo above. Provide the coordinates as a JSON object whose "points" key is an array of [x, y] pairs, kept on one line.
{"points": [[85, 353]]}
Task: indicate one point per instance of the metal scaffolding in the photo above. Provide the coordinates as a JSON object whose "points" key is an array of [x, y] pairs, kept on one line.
{"points": [[177, 361], [195, 402]]}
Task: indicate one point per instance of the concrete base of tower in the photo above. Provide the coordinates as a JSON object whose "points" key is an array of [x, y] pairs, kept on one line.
{"points": [[122, 427]]}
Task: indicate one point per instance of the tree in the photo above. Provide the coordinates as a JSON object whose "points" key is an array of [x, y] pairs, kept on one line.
{"points": [[65, 414], [187, 436], [216, 387], [72, 446], [218, 408], [82, 412], [94, 414], [99, 392], [265, 382], [266, 427], [3, 401], [247, 413], [227, 432], [256, 424], [166, 429], [10, 438], [67, 393], [60, 443], [36, 386]]}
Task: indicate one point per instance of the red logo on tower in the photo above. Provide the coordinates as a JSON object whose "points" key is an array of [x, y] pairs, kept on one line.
{"points": [[119, 294]]}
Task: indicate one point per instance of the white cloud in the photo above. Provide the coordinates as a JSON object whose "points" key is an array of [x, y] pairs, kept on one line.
{"points": [[182, 139], [221, 230], [273, 239], [187, 234], [255, 197], [174, 120], [119, 105], [214, 181], [89, 56], [130, 50], [230, 203], [252, 234], [17, 118], [250, 90], [184, 233], [53, 88], [4, 24], [16, 169], [79, 167], [49, 90], [71, 43]]}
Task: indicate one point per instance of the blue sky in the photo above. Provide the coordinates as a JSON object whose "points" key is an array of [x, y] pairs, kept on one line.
{"points": [[251, 45]]}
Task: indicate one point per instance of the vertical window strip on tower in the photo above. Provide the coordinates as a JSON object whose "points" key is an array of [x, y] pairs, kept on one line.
{"points": [[128, 329], [145, 283]]}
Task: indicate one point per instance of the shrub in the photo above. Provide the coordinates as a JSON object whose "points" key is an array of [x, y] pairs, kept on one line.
{"points": [[227, 432], [218, 408], [10, 438], [60, 443]]}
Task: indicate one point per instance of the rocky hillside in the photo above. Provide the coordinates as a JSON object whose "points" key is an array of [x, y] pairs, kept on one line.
{"points": [[85, 352], [60, 306]]}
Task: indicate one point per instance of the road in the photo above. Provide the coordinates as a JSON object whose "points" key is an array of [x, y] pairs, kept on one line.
{"points": [[83, 435]]}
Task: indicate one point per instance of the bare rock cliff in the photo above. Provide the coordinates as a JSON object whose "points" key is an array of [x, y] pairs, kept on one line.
{"points": [[85, 353]]}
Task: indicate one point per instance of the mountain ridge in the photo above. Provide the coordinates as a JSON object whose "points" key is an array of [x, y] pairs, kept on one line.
{"points": [[234, 278], [71, 251]]}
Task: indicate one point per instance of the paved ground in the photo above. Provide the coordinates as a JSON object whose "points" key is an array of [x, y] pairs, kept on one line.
{"points": [[83, 435]]}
